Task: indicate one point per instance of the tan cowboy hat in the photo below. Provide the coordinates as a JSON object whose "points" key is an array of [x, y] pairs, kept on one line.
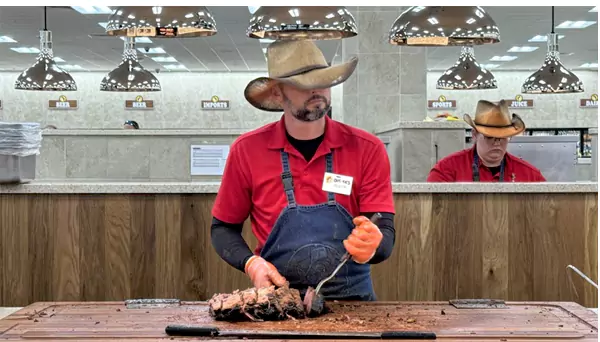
{"points": [[299, 63], [494, 120]]}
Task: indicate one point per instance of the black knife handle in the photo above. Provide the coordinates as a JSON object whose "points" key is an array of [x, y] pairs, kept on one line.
{"points": [[183, 330], [408, 335]]}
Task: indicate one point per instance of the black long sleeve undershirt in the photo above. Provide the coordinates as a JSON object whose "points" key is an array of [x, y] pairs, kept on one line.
{"points": [[230, 245]]}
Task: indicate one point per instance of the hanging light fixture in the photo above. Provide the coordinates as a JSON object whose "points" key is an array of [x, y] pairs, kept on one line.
{"points": [[467, 74], [302, 22], [552, 77], [45, 74], [439, 25], [130, 75], [161, 22]]}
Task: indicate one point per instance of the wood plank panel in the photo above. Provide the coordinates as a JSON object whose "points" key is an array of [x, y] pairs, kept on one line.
{"points": [[113, 247]]}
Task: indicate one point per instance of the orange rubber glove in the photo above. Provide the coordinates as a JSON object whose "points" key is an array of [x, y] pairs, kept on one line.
{"points": [[262, 273], [364, 240]]}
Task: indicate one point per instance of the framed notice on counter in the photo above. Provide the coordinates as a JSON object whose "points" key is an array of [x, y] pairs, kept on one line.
{"points": [[441, 103], [208, 160], [592, 102], [139, 103], [520, 102], [62, 103]]}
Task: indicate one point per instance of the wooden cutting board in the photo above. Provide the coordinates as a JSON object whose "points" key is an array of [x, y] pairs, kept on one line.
{"points": [[511, 321]]}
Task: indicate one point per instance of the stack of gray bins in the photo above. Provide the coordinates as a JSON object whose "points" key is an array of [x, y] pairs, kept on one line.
{"points": [[19, 145]]}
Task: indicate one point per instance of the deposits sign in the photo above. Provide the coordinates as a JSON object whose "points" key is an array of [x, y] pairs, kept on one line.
{"points": [[592, 102], [520, 102], [441, 103], [215, 104]]}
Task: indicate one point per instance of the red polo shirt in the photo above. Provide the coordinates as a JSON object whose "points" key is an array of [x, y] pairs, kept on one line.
{"points": [[457, 167], [251, 183]]}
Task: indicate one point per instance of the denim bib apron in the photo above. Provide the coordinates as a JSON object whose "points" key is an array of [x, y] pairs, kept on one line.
{"points": [[305, 245]]}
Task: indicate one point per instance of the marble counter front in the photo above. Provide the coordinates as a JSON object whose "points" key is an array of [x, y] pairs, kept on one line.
{"points": [[213, 187]]}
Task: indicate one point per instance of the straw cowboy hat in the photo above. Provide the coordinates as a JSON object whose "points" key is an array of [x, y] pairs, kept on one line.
{"points": [[299, 63], [494, 120]]}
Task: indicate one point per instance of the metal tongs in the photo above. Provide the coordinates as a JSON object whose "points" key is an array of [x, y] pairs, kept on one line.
{"points": [[586, 278]]}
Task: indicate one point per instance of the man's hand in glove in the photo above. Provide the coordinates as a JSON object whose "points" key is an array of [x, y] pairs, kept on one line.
{"points": [[364, 240], [262, 273]]}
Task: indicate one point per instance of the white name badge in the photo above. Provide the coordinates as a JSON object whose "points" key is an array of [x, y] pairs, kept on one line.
{"points": [[338, 184]]}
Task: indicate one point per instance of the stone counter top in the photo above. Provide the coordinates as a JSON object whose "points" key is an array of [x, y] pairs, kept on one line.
{"points": [[144, 132], [212, 187]]}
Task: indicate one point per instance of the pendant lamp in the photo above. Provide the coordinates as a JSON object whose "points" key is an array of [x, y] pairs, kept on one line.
{"points": [[552, 77], [45, 74], [130, 75], [161, 22], [444, 25], [467, 74], [302, 22]]}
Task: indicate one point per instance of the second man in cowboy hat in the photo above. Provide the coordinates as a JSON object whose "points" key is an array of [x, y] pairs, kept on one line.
{"points": [[488, 160], [308, 183]]}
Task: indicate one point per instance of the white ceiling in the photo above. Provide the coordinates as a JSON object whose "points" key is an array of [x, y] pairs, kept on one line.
{"points": [[77, 40]]}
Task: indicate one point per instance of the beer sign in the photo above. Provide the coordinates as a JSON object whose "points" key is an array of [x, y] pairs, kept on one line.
{"points": [[441, 103], [62, 103], [519, 102], [592, 102], [139, 103], [215, 104]]}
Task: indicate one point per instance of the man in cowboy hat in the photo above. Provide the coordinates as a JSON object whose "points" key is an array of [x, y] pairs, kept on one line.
{"points": [[308, 183], [488, 160]]}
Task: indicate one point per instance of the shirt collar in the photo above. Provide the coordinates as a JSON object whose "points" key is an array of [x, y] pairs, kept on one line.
{"points": [[507, 157], [335, 135]]}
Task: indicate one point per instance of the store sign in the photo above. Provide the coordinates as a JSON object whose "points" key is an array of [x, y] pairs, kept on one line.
{"points": [[139, 103], [592, 102], [148, 31], [62, 103], [215, 104], [519, 102], [441, 103]]}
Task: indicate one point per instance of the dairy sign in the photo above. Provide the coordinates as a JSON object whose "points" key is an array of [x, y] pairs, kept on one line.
{"points": [[215, 104], [62, 103], [592, 102], [139, 103], [519, 102], [441, 103]]}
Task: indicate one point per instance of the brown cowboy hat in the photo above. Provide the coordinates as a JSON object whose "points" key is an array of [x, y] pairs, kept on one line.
{"points": [[299, 63], [494, 120]]}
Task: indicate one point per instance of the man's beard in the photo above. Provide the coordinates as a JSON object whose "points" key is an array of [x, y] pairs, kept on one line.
{"points": [[308, 115]]}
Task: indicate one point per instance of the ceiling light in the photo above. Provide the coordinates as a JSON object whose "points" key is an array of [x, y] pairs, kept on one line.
{"points": [[152, 50], [45, 74], [59, 60], [589, 65], [489, 66], [130, 75], [92, 9], [6, 39], [72, 67], [143, 40], [503, 58], [575, 24], [103, 25], [544, 38], [595, 9], [253, 9], [161, 59], [26, 50], [309, 22], [466, 74], [552, 77], [167, 22], [523, 48], [175, 67], [444, 25], [266, 41]]}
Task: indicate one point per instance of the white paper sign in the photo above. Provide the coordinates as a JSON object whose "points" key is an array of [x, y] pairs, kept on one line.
{"points": [[208, 160]]}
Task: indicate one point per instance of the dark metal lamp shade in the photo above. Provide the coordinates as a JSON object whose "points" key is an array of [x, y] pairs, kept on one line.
{"points": [[467, 74], [130, 75], [442, 26], [45, 74], [552, 77], [302, 22], [161, 22]]}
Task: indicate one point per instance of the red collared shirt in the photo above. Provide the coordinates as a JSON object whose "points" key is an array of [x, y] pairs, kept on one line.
{"points": [[458, 167], [251, 183]]}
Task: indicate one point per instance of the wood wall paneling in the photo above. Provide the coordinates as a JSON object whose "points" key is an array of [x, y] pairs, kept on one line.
{"points": [[74, 247]]}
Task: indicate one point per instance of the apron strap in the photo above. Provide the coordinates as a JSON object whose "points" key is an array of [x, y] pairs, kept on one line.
{"points": [[329, 168], [286, 178]]}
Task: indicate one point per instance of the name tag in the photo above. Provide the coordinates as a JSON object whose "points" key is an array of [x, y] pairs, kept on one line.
{"points": [[338, 184]]}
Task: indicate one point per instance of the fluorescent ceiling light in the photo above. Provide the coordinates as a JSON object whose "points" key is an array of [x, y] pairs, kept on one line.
{"points": [[5, 39], [489, 66], [503, 58], [72, 67], [26, 50], [161, 59], [92, 9], [152, 50], [103, 25], [140, 40], [595, 9], [523, 48], [59, 60], [544, 38], [253, 9], [175, 67], [264, 50], [589, 65], [266, 41], [575, 24]]}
